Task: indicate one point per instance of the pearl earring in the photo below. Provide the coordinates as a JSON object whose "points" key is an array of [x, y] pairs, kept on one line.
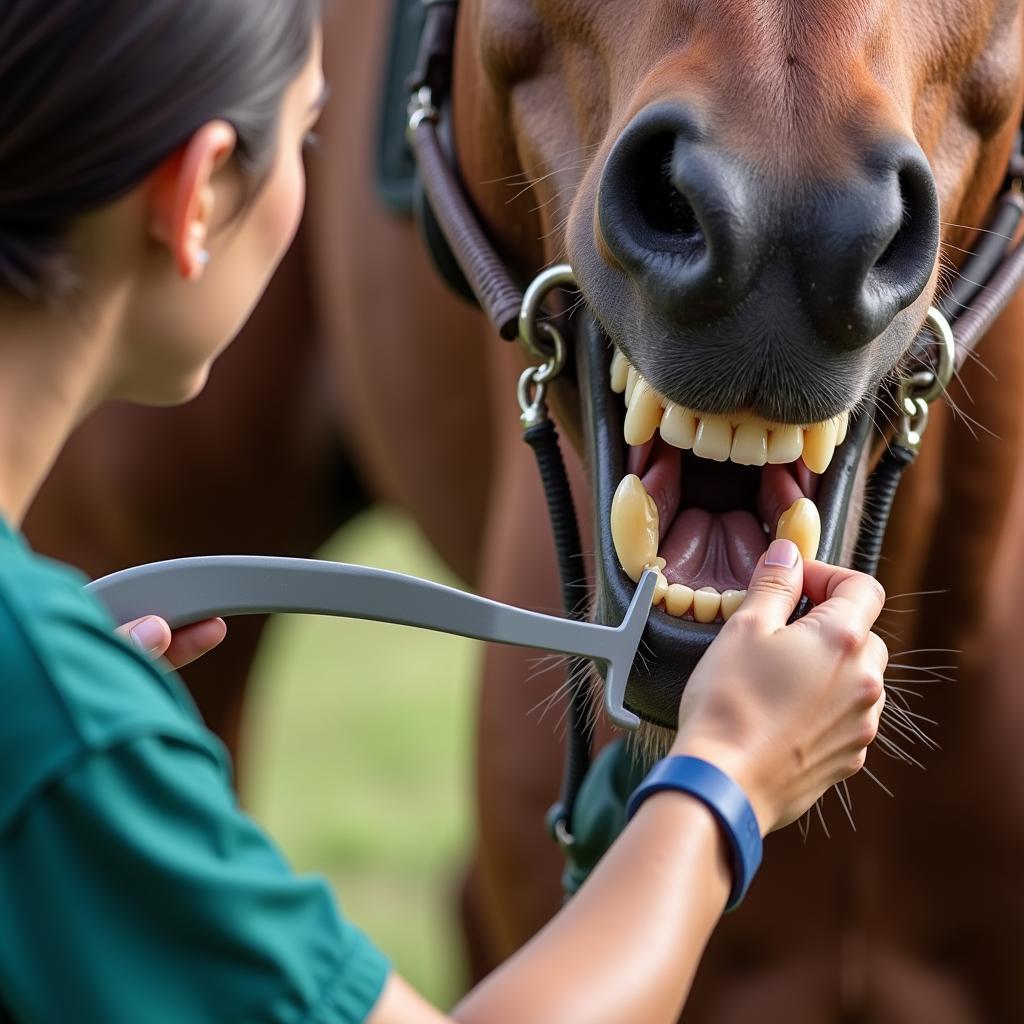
{"points": [[203, 257]]}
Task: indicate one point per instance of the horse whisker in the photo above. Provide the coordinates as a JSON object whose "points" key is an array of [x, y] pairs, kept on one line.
{"points": [[845, 806], [878, 782], [821, 818], [971, 227]]}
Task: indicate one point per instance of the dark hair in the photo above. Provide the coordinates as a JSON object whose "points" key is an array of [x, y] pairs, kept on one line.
{"points": [[95, 94]]}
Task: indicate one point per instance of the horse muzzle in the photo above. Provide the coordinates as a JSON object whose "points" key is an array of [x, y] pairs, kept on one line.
{"points": [[817, 259], [674, 643]]}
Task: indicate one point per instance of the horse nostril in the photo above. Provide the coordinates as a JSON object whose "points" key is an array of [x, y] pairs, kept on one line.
{"points": [[914, 243], [671, 212], [893, 244], [660, 204], [878, 241]]}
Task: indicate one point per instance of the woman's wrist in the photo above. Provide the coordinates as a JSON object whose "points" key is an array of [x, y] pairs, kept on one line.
{"points": [[735, 763], [726, 801]]}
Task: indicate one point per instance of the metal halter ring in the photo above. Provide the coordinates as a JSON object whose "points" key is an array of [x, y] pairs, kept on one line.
{"points": [[929, 384], [922, 387], [554, 355]]}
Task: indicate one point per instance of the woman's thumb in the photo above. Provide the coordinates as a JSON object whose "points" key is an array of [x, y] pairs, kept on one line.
{"points": [[776, 585]]}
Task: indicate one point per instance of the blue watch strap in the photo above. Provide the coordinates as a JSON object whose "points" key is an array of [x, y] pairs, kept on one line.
{"points": [[726, 801]]}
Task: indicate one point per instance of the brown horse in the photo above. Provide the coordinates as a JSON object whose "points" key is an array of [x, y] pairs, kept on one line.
{"points": [[751, 198], [702, 166]]}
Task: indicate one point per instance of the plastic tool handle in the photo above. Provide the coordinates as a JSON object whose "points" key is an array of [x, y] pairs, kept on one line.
{"points": [[189, 590]]}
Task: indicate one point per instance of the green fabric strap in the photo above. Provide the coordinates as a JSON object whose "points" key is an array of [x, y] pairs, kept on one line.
{"points": [[600, 812]]}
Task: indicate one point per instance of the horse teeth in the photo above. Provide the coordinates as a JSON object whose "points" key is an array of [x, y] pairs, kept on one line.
{"points": [[731, 600], [714, 439], [801, 524], [631, 378], [619, 372], [785, 444], [707, 603], [750, 444], [842, 426], [660, 588], [819, 445], [678, 426], [643, 415], [742, 439], [679, 599], [634, 523]]}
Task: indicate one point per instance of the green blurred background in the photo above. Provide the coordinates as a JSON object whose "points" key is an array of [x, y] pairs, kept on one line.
{"points": [[358, 758]]}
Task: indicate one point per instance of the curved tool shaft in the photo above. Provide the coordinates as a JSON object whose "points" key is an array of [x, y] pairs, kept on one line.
{"points": [[189, 590]]}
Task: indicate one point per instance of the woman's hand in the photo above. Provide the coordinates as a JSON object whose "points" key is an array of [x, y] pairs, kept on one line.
{"points": [[789, 710], [153, 636]]}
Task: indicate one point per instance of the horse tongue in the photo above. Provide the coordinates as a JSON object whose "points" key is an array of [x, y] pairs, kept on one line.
{"points": [[713, 549]]}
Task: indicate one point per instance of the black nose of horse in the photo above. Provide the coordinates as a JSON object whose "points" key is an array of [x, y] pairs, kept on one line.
{"points": [[870, 247], [676, 214], [697, 230]]}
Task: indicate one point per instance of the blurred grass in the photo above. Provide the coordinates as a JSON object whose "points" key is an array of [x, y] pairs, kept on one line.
{"points": [[358, 759]]}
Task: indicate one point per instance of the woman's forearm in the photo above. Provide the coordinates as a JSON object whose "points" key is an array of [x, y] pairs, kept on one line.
{"points": [[627, 946]]}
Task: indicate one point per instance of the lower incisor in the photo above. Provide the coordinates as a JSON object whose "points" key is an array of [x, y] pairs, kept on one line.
{"points": [[731, 600], [706, 604], [679, 599]]}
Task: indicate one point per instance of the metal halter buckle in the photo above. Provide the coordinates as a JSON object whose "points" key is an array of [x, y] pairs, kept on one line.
{"points": [[921, 388], [534, 380], [421, 108]]}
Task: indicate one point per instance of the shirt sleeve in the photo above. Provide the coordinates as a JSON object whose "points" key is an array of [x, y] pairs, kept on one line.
{"points": [[136, 890]]}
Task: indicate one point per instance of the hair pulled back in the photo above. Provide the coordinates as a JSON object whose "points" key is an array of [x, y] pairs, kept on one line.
{"points": [[95, 94]]}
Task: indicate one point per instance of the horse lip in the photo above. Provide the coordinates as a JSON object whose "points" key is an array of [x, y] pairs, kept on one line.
{"points": [[671, 647]]}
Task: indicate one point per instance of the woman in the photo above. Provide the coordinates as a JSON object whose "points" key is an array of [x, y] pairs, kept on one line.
{"points": [[150, 181]]}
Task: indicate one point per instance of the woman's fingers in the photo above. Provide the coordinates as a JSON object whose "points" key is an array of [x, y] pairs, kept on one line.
{"points": [[191, 642], [150, 634], [879, 650], [775, 585], [877, 709], [153, 636], [847, 599]]}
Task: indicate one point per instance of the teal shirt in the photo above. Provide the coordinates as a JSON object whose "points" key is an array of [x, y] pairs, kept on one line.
{"points": [[132, 888]]}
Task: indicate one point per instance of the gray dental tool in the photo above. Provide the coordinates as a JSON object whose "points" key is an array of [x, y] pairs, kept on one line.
{"points": [[189, 590]]}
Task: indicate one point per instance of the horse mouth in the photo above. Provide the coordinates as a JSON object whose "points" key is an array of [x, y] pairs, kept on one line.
{"points": [[705, 493], [699, 497]]}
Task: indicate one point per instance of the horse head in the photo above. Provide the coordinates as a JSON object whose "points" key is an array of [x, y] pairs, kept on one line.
{"points": [[760, 203]]}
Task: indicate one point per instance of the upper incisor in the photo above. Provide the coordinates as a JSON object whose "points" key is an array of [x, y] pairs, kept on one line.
{"points": [[745, 440]]}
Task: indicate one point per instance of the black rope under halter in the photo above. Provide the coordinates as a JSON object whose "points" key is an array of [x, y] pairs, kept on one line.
{"points": [[542, 437]]}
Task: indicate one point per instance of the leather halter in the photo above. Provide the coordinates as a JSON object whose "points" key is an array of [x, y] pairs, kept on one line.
{"points": [[459, 244]]}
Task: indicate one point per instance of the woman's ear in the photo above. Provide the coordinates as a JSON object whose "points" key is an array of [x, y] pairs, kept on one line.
{"points": [[183, 198]]}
